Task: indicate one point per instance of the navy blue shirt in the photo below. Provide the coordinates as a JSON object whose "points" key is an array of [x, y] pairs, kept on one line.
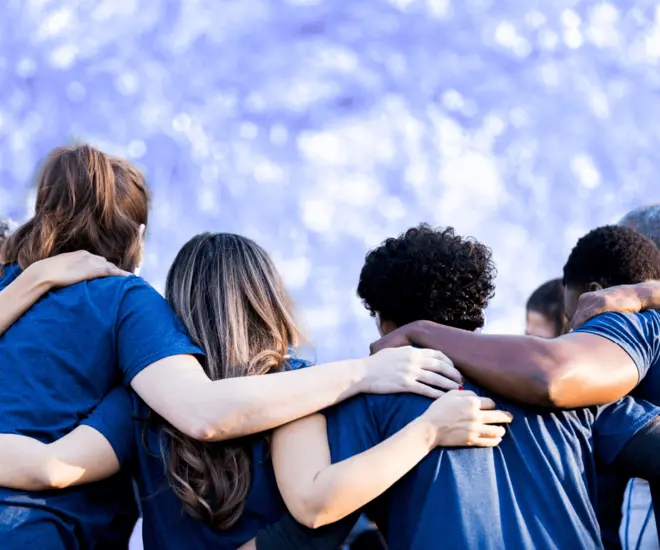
{"points": [[57, 362], [639, 336], [532, 492], [166, 524]]}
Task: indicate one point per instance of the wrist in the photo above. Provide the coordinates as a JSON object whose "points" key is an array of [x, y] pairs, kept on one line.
{"points": [[646, 292], [360, 375], [36, 279], [427, 431]]}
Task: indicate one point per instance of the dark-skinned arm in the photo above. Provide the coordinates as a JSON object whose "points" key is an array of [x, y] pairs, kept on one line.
{"points": [[575, 370], [622, 299]]}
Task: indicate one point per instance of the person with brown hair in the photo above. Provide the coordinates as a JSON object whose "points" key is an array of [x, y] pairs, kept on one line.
{"points": [[61, 361], [234, 304]]}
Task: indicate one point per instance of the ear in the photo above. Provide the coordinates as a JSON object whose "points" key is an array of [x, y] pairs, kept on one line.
{"points": [[386, 327], [593, 287]]}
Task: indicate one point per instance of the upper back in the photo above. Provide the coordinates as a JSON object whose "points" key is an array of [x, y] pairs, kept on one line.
{"points": [[541, 474], [60, 358]]}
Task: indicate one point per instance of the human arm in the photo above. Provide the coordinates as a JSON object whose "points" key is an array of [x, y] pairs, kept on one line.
{"points": [[598, 364], [622, 299], [225, 409], [91, 452], [318, 492], [288, 534], [41, 277]]}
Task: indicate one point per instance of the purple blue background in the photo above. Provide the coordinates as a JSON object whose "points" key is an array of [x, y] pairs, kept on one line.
{"points": [[321, 127]]}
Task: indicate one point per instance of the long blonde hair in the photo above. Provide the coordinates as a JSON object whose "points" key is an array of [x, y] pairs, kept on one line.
{"points": [[233, 303]]}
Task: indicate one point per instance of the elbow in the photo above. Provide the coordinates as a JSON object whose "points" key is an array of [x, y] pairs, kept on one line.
{"points": [[548, 387], [202, 427], [308, 513], [53, 475]]}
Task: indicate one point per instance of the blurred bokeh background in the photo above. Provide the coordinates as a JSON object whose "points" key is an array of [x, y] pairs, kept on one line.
{"points": [[321, 127]]}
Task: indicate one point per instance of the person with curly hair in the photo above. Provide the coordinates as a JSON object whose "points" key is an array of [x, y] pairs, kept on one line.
{"points": [[534, 490], [599, 362], [606, 257], [545, 311]]}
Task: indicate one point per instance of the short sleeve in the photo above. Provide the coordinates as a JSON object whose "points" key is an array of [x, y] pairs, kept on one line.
{"points": [[617, 423], [638, 334], [352, 428], [112, 418], [147, 330]]}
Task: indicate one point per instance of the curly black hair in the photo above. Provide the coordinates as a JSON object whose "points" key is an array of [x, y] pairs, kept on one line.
{"points": [[428, 274], [612, 255]]}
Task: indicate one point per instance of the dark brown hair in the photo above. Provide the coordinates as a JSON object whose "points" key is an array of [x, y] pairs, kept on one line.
{"points": [[233, 304], [86, 200], [548, 300]]}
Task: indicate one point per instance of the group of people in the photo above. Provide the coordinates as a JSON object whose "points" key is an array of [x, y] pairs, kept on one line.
{"points": [[195, 411]]}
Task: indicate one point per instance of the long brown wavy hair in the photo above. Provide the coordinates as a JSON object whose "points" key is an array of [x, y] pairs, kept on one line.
{"points": [[233, 303], [86, 200]]}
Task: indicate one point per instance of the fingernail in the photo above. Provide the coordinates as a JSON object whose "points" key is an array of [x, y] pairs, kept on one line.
{"points": [[460, 388]]}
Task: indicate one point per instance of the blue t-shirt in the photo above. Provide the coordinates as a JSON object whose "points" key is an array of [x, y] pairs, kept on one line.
{"points": [[639, 336], [166, 524], [57, 362], [532, 492]]}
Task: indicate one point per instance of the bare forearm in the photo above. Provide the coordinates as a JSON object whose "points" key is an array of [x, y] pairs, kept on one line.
{"points": [[513, 366], [235, 407], [19, 296], [649, 295], [254, 404], [575, 370], [344, 487], [82, 456], [22, 463]]}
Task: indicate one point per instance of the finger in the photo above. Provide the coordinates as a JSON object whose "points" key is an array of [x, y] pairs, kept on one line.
{"points": [[113, 271], [496, 432], [437, 380], [486, 403], [443, 367], [426, 391], [487, 442], [462, 394], [434, 354], [495, 417]]}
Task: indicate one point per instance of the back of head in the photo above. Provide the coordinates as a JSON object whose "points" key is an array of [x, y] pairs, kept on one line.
{"points": [[612, 255], [429, 274], [233, 303], [645, 220], [86, 200], [608, 256], [548, 301]]}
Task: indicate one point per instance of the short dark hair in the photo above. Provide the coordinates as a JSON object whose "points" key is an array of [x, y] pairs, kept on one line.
{"points": [[427, 274], [548, 300], [612, 255]]}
